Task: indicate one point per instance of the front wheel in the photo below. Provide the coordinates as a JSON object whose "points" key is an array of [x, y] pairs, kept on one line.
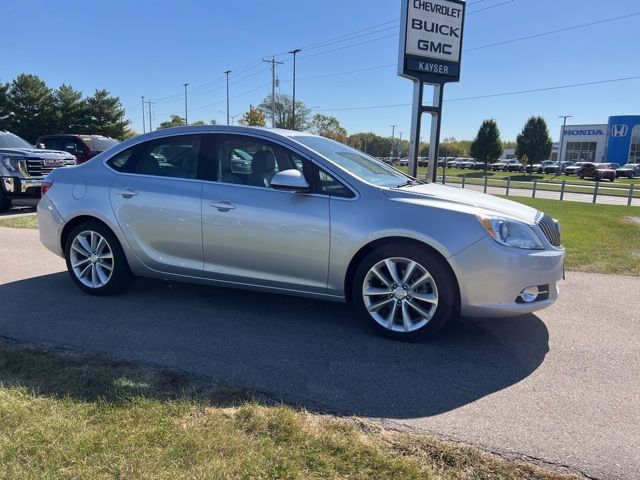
{"points": [[96, 261], [404, 292]]}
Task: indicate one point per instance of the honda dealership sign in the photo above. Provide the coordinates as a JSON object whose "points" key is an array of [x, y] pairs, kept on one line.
{"points": [[431, 40]]}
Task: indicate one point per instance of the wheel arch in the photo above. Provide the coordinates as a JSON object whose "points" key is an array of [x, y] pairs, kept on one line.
{"points": [[381, 242], [74, 222]]}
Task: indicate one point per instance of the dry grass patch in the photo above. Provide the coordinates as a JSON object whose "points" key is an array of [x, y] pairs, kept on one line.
{"points": [[66, 415]]}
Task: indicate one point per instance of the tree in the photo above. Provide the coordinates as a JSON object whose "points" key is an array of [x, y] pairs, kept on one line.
{"points": [[69, 110], [371, 143], [253, 118], [104, 115], [198, 123], [283, 112], [175, 121], [487, 146], [4, 109], [29, 105], [329, 127], [534, 142]]}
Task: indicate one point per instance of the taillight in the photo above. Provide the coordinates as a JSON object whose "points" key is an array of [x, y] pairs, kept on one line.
{"points": [[46, 185]]}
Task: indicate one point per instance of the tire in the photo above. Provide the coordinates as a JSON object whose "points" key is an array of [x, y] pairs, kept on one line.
{"points": [[5, 202], [581, 175], [102, 269], [425, 316], [632, 176]]}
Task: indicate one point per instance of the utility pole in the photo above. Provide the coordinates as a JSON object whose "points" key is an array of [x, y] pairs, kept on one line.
{"points": [[293, 113], [227, 74], [150, 124], [186, 109], [273, 63], [564, 125], [144, 127], [400, 144], [393, 138]]}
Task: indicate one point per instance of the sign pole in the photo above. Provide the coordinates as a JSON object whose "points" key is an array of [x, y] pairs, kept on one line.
{"points": [[416, 127], [436, 124], [430, 52]]}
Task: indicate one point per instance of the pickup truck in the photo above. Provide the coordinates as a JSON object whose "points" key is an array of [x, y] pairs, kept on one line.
{"points": [[23, 168]]}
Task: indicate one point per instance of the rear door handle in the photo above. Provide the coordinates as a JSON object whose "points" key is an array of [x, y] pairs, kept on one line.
{"points": [[223, 206], [128, 193]]}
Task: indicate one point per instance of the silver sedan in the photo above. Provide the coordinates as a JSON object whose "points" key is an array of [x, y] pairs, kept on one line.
{"points": [[292, 213]]}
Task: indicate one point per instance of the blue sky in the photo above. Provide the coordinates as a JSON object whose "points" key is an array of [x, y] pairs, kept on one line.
{"points": [[152, 48]]}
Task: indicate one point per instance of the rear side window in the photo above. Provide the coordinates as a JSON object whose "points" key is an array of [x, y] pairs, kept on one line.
{"points": [[121, 161], [170, 157]]}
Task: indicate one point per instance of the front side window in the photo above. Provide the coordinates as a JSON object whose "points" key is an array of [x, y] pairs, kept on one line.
{"points": [[176, 157]]}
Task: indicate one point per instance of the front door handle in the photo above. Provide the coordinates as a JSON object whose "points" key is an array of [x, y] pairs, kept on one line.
{"points": [[128, 193], [223, 206]]}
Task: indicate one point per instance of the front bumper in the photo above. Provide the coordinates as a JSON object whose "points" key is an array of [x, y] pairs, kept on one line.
{"points": [[492, 276], [16, 187]]}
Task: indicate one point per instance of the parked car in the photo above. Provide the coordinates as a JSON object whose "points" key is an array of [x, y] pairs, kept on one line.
{"points": [[404, 162], [466, 163], [630, 170], [455, 163], [314, 218], [477, 165], [538, 167], [513, 166], [600, 171], [556, 169], [83, 147], [23, 168], [499, 165], [575, 168]]}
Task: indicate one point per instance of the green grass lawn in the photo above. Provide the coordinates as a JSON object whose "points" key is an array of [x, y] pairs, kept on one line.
{"points": [[598, 238], [25, 221], [65, 415]]}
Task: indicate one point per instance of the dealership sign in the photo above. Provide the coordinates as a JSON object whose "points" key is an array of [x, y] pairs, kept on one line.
{"points": [[619, 131], [592, 132], [431, 40]]}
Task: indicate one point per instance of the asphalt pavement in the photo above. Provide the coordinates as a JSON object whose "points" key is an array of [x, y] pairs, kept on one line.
{"points": [[561, 387]]}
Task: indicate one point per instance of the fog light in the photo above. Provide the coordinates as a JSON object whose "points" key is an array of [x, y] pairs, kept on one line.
{"points": [[530, 294], [9, 185]]}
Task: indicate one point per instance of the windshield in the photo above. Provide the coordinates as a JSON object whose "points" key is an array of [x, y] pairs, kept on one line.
{"points": [[603, 165], [99, 144], [9, 140], [355, 162]]}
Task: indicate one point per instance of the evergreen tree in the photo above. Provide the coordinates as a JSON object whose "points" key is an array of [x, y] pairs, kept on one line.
{"points": [[104, 115], [29, 103], [487, 146], [534, 142]]}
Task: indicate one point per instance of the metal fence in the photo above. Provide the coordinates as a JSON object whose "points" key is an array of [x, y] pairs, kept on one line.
{"points": [[565, 190]]}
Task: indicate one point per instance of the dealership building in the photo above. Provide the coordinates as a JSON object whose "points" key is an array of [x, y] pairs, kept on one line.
{"points": [[616, 142]]}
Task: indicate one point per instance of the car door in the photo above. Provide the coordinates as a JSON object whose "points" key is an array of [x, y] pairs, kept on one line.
{"points": [[254, 234], [157, 199]]}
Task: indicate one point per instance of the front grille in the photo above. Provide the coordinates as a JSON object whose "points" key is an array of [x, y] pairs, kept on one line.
{"points": [[37, 168], [551, 230]]}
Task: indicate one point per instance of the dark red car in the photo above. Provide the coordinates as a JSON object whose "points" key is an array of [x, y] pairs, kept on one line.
{"points": [[83, 147], [599, 171]]}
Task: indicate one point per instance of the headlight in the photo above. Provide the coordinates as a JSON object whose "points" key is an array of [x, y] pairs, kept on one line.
{"points": [[511, 233], [10, 163]]}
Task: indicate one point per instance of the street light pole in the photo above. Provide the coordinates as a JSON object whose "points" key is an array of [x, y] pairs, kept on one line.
{"points": [[293, 113], [400, 134], [393, 138], [144, 127], [186, 108], [564, 125], [227, 74]]}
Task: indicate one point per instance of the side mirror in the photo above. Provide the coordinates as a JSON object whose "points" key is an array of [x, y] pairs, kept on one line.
{"points": [[41, 146], [290, 181]]}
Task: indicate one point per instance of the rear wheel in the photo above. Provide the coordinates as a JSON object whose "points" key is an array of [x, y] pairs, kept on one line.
{"points": [[632, 175], [96, 261], [404, 292]]}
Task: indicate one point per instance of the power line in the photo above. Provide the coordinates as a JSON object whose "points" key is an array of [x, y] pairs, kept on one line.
{"points": [[493, 95]]}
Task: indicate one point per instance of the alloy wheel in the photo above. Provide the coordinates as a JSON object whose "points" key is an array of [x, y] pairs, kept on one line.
{"points": [[91, 259], [400, 294]]}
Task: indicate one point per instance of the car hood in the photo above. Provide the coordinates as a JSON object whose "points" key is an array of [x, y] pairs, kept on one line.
{"points": [[454, 198], [37, 153]]}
